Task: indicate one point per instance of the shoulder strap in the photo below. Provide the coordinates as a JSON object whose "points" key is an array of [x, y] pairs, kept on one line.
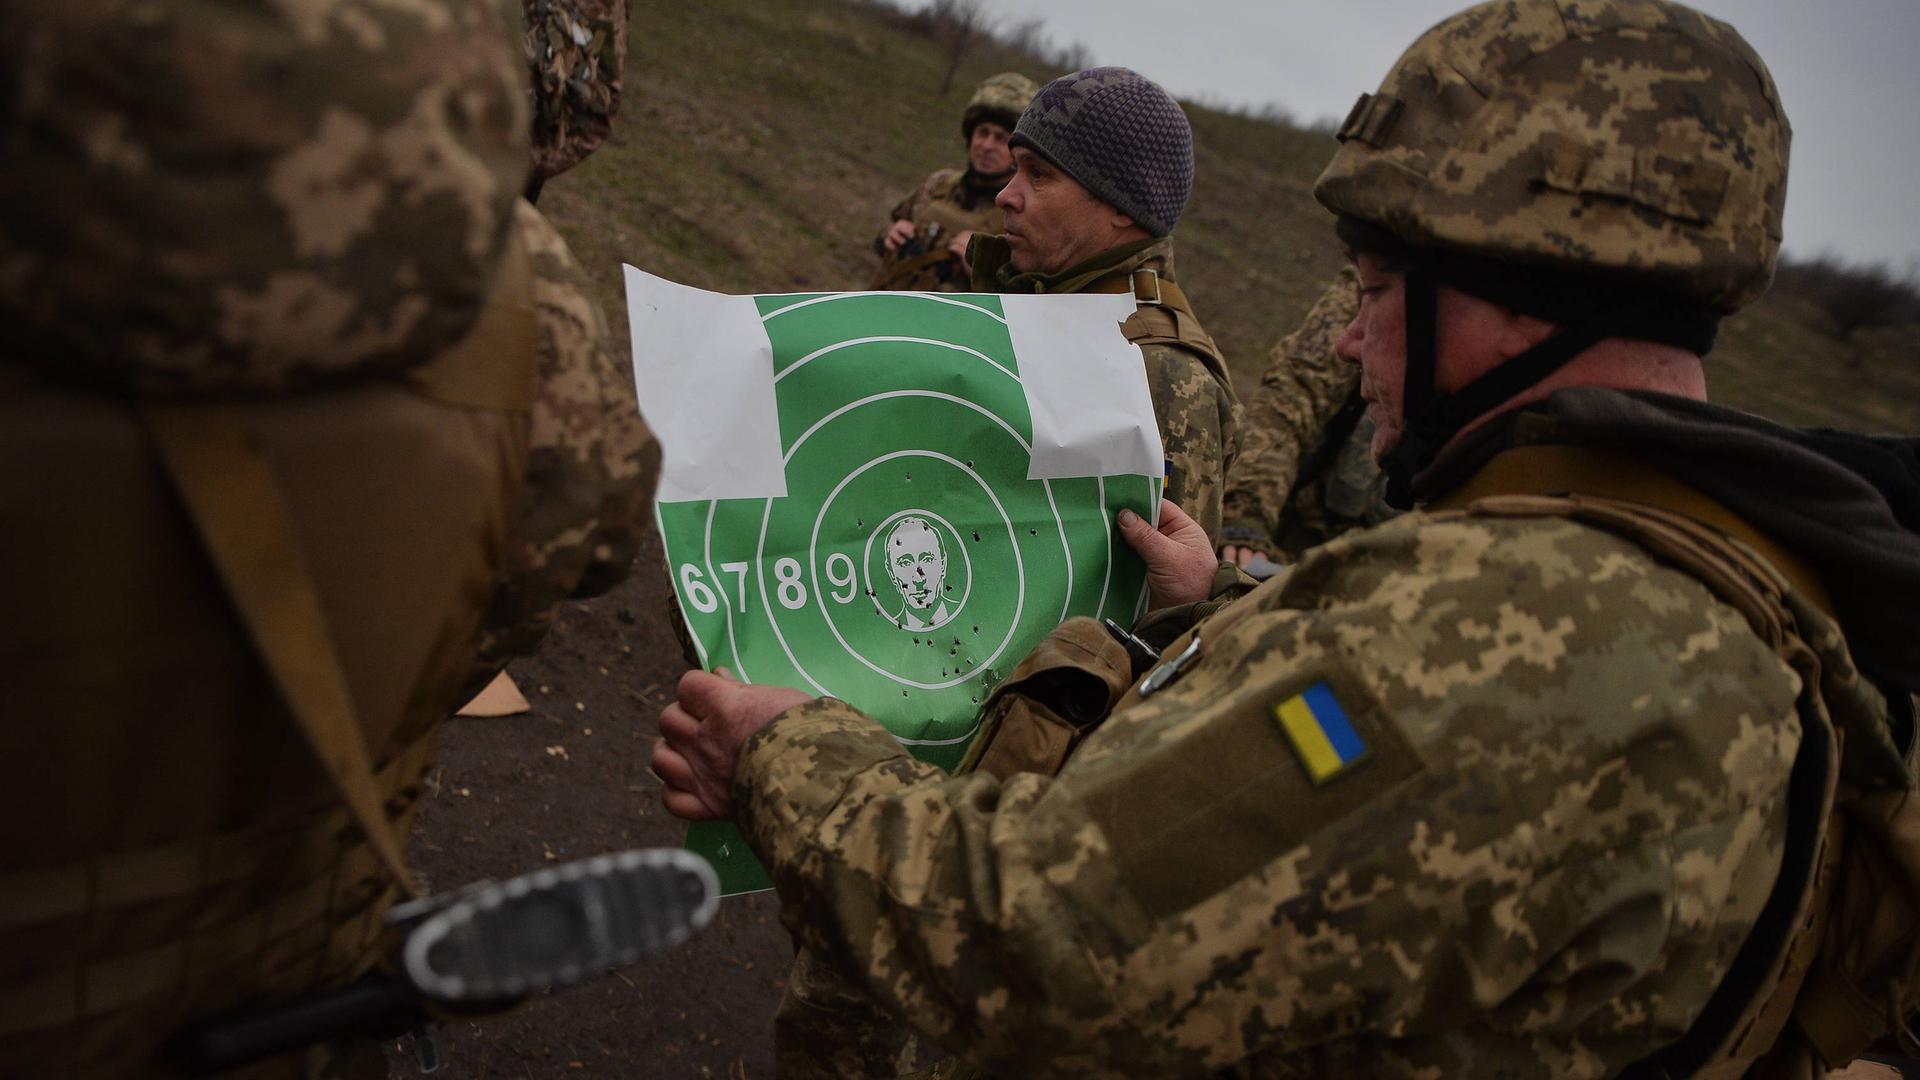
{"points": [[1756, 999], [1165, 317], [224, 479]]}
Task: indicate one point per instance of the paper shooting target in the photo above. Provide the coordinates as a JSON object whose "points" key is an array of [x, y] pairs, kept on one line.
{"points": [[913, 558]]}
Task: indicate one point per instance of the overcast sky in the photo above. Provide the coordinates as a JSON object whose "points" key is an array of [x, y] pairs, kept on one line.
{"points": [[1848, 70]]}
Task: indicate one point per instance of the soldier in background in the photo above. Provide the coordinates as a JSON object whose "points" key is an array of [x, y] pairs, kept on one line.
{"points": [[1305, 473], [272, 322], [924, 246], [1601, 761]]}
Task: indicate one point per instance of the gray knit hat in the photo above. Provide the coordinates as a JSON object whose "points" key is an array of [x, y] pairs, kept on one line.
{"points": [[1121, 136]]}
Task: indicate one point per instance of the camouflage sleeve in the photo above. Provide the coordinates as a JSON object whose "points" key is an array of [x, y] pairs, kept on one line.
{"points": [[584, 508], [828, 1028], [1305, 384], [1537, 842], [1199, 429]]}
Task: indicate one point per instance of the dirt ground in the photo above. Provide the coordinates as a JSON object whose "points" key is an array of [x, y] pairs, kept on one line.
{"points": [[569, 780]]}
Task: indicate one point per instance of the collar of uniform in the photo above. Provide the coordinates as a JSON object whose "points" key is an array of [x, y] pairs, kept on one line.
{"points": [[1542, 468], [1109, 271]]}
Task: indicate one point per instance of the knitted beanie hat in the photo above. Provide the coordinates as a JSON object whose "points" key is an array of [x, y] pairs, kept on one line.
{"points": [[1121, 136]]}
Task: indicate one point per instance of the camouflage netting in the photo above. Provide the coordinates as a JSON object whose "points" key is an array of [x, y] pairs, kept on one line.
{"points": [[243, 197]]}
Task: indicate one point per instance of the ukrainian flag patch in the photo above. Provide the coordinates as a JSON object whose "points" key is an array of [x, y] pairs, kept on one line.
{"points": [[1320, 732]]}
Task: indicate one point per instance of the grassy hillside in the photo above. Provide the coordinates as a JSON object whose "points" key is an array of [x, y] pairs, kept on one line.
{"points": [[762, 142]]}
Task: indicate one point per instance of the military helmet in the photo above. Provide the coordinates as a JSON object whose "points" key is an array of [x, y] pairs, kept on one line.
{"points": [[235, 196], [1637, 138], [1000, 98]]}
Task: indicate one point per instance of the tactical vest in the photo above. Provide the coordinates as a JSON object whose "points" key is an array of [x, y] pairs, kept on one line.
{"points": [[922, 264], [232, 626], [1830, 967]]}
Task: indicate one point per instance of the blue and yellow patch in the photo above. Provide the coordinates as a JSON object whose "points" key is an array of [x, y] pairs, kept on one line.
{"points": [[1320, 732]]}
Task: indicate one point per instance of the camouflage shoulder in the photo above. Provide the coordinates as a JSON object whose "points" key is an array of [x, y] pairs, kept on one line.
{"points": [[943, 183], [1447, 748], [939, 185], [585, 505], [793, 771]]}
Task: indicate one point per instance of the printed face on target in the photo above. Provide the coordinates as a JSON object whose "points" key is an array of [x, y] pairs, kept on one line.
{"points": [[917, 563]]}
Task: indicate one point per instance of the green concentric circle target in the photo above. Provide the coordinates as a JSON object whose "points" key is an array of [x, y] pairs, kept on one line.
{"points": [[912, 559]]}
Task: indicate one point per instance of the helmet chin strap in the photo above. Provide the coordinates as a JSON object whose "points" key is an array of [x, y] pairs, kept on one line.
{"points": [[1420, 439], [1431, 418]]}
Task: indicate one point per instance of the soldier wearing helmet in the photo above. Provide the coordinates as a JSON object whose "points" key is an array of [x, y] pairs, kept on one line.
{"points": [[924, 245], [1541, 779]]}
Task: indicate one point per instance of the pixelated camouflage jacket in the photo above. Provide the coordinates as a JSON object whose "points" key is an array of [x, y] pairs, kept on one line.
{"points": [[1306, 473], [591, 460], [1193, 397], [949, 202], [1566, 814]]}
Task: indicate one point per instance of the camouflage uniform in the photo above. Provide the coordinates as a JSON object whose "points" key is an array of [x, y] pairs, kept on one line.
{"points": [[1193, 396], [1305, 473], [1566, 821], [952, 201], [283, 241], [591, 463], [1494, 891], [577, 50], [949, 202]]}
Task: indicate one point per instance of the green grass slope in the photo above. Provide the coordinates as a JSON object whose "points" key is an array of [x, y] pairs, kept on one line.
{"points": [[762, 142]]}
